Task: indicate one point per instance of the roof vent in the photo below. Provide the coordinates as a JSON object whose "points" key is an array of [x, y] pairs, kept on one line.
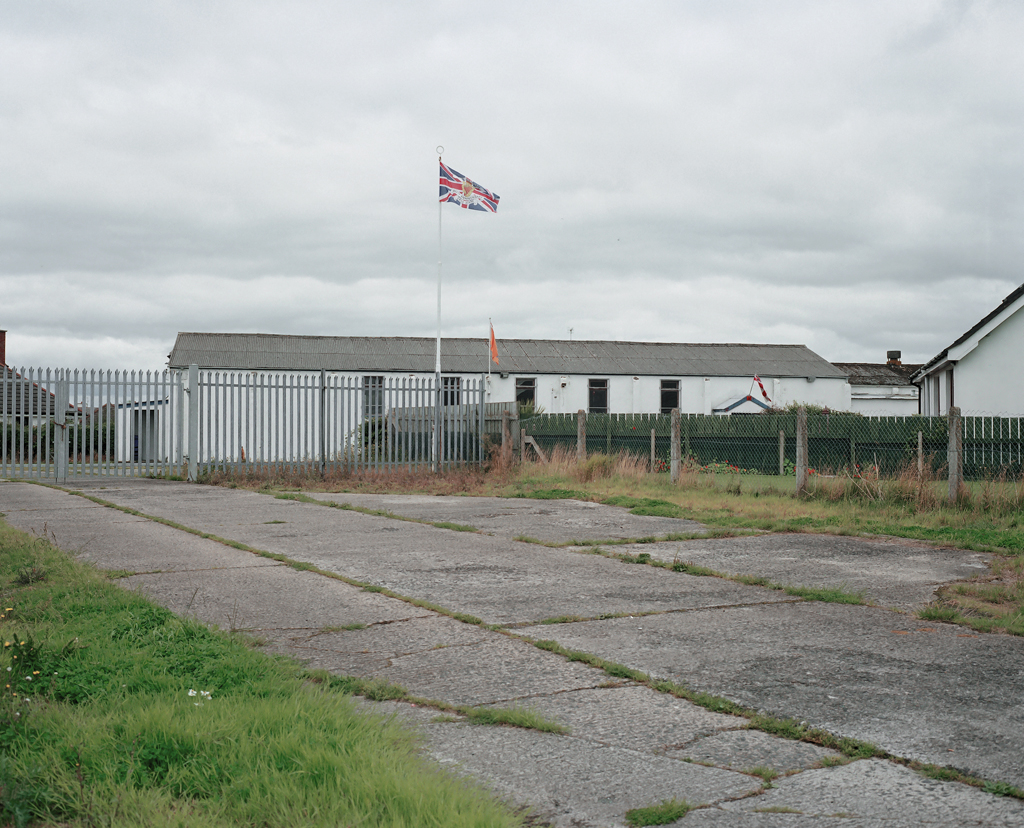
{"points": [[893, 357]]}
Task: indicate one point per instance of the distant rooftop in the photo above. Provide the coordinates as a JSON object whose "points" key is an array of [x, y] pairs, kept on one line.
{"points": [[401, 354], [877, 373]]}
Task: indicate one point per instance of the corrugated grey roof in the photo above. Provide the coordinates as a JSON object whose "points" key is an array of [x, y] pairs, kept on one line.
{"points": [[365, 354]]}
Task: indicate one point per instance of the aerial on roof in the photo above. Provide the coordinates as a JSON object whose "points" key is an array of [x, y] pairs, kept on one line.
{"points": [[400, 354]]}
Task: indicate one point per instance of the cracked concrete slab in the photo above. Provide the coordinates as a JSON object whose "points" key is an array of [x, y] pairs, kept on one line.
{"points": [[874, 789], [744, 749], [496, 670], [933, 692], [574, 783], [890, 572], [632, 716], [551, 521], [498, 580], [275, 602]]}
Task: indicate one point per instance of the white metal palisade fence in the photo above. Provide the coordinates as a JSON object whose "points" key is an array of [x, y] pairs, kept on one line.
{"points": [[56, 423]]}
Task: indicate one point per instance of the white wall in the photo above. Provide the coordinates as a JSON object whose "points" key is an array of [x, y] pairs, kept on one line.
{"points": [[697, 395], [884, 401], [990, 379]]}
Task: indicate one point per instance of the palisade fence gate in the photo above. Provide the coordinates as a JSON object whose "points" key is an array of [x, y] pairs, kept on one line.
{"points": [[56, 424]]}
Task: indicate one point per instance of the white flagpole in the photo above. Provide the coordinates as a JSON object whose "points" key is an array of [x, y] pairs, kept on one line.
{"points": [[437, 351], [490, 356]]}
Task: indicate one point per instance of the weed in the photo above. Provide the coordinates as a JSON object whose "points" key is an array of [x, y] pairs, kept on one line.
{"points": [[692, 568], [455, 527], [763, 772], [29, 575], [512, 717], [663, 813], [938, 613], [831, 595], [776, 809]]}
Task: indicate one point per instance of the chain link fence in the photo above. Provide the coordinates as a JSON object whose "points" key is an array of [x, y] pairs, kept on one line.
{"points": [[837, 443]]}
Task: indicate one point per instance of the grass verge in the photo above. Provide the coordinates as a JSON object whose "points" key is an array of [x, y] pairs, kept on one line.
{"points": [[119, 713]]}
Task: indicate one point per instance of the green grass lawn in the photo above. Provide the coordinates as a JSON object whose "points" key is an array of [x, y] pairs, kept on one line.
{"points": [[117, 712]]}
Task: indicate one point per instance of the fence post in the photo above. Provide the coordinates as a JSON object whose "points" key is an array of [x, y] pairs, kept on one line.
{"points": [[60, 437], [920, 455], [801, 450], [581, 437], [676, 450], [652, 450], [193, 423], [782, 452], [955, 453]]}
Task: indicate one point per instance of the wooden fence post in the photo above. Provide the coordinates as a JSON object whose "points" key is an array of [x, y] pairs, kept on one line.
{"points": [[675, 445], [920, 455], [801, 450], [782, 453], [652, 450], [955, 453], [581, 437]]}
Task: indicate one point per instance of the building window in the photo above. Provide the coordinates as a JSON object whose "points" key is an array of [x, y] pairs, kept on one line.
{"points": [[669, 396], [598, 396], [373, 397], [451, 390], [526, 392]]}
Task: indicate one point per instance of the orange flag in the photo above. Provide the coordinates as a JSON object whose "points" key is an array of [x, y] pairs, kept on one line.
{"points": [[494, 347]]}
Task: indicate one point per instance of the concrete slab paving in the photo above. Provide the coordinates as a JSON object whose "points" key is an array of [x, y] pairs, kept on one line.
{"points": [[875, 789], [575, 783], [920, 685], [498, 580], [496, 670], [268, 600], [891, 572], [633, 716], [933, 692], [551, 521], [744, 749]]}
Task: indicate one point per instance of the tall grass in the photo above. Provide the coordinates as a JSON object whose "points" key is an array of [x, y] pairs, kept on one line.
{"points": [[106, 721]]}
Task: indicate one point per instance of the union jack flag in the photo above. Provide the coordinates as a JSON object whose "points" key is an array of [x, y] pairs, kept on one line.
{"points": [[466, 193]]}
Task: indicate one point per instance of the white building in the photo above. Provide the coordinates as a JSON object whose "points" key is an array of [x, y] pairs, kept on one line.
{"points": [[557, 376], [982, 371], [882, 389]]}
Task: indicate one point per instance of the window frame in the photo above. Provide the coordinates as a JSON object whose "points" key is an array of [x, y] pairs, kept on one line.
{"points": [[597, 386], [671, 386], [451, 391], [373, 396]]}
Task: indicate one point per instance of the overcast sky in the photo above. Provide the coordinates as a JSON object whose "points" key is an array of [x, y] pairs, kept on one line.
{"points": [[844, 175]]}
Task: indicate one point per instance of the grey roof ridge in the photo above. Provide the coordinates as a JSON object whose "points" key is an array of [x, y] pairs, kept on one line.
{"points": [[1009, 300], [504, 339]]}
